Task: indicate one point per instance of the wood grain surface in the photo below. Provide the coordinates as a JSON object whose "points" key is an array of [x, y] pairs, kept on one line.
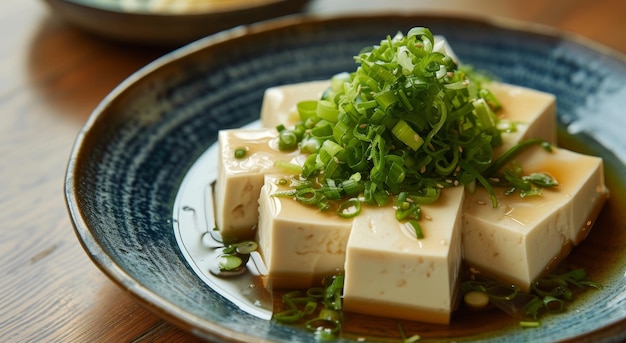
{"points": [[52, 77]]}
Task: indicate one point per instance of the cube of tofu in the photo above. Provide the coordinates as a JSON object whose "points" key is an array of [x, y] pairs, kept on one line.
{"points": [[523, 238], [390, 273], [533, 112], [279, 103], [239, 180], [299, 244]]}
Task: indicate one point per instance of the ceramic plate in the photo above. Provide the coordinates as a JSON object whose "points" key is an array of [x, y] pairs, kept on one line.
{"points": [[167, 22], [131, 158]]}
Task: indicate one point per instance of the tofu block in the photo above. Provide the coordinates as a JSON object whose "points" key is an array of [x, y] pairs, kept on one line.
{"points": [[532, 111], [390, 273], [299, 244], [239, 180], [523, 238], [279, 103]]}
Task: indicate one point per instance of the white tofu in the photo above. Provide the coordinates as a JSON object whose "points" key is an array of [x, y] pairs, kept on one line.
{"points": [[279, 103], [390, 273], [523, 238], [299, 244], [532, 111], [239, 181]]}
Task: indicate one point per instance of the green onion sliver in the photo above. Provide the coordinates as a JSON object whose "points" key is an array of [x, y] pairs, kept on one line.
{"points": [[316, 292], [287, 140], [241, 152], [288, 167], [229, 262], [307, 109], [416, 227], [553, 304], [349, 208], [309, 196], [246, 247], [514, 151], [529, 324], [309, 307], [327, 111], [428, 195], [407, 135], [289, 316]]}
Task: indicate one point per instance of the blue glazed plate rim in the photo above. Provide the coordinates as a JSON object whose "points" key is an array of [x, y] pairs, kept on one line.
{"points": [[151, 299]]}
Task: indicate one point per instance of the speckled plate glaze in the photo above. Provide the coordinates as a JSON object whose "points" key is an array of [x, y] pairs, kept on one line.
{"points": [[133, 153]]}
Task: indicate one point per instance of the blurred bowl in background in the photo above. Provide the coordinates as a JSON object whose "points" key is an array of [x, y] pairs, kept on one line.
{"points": [[167, 22]]}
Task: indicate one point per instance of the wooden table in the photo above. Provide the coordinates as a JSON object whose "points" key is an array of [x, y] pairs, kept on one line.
{"points": [[52, 76]]}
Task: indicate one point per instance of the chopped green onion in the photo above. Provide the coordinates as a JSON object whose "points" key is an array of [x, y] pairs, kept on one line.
{"points": [[407, 135], [309, 196], [408, 119], [287, 140], [229, 262], [316, 292], [329, 314], [548, 294], [241, 152], [298, 184], [349, 208], [419, 234], [529, 324], [514, 151], [427, 195], [476, 299], [289, 316], [542, 180], [307, 110], [327, 111], [246, 247], [309, 307], [352, 187], [288, 167], [334, 290], [406, 339]]}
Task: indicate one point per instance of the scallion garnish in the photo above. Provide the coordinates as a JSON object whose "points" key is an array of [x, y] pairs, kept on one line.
{"points": [[349, 208], [241, 152], [287, 140], [419, 234], [549, 294], [318, 309], [409, 119]]}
